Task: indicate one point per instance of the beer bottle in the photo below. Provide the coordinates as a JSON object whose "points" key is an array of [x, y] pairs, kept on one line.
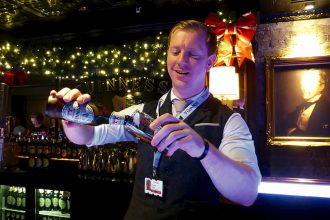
{"points": [[23, 198], [48, 199], [31, 153], [23, 143], [46, 153], [137, 123], [9, 197], [14, 198], [8, 215], [68, 201], [68, 148], [55, 200], [71, 111], [41, 199], [20, 142], [62, 202], [39, 153], [58, 149], [19, 197], [64, 148]]}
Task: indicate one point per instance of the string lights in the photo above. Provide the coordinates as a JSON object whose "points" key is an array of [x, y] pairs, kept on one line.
{"points": [[136, 59]]}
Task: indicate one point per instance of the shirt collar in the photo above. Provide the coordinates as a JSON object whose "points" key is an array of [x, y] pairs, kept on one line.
{"points": [[190, 100]]}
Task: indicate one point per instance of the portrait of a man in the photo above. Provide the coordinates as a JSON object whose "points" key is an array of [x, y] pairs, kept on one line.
{"points": [[312, 117]]}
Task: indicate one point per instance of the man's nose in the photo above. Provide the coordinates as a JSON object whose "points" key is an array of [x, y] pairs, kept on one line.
{"points": [[183, 59]]}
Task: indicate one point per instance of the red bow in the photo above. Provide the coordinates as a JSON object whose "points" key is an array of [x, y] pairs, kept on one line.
{"points": [[244, 30], [12, 78]]}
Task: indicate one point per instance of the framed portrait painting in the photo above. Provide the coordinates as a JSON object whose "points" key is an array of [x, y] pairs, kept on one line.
{"points": [[298, 101]]}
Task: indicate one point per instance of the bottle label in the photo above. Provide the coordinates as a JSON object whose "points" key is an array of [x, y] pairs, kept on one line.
{"points": [[62, 203], [82, 114], [41, 202], [48, 202], [116, 119]]}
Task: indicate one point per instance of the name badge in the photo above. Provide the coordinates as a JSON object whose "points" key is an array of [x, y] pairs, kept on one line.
{"points": [[153, 187]]}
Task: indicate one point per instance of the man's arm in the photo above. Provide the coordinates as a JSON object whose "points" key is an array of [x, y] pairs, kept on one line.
{"points": [[233, 169], [78, 133]]}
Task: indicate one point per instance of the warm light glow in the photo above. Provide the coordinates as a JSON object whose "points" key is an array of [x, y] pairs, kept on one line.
{"points": [[295, 189], [306, 45], [309, 6], [311, 84], [224, 83]]}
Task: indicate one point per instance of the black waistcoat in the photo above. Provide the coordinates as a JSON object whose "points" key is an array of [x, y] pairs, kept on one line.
{"points": [[188, 190]]}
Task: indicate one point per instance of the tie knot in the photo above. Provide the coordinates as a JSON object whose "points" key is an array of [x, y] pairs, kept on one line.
{"points": [[179, 105]]}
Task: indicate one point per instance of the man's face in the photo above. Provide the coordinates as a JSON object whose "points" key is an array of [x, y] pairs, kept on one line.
{"points": [[311, 84], [35, 122], [188, 62]]}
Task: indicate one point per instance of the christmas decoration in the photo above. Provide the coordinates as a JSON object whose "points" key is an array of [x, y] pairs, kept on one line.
{"points": [[137, 59], [236, 38]]}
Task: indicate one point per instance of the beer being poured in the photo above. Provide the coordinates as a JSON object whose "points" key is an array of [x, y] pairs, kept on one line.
{"points": [[137, 123]]}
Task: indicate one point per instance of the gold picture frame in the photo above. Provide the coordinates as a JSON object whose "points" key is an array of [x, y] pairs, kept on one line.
{"points": [[284, 79]]}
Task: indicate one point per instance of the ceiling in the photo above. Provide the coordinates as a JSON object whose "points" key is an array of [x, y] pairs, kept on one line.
{"points": [[61, 19], [39, 20], [283, 6]]}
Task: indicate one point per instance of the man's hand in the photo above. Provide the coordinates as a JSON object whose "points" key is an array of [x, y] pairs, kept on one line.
{"points": [[176, 134]]}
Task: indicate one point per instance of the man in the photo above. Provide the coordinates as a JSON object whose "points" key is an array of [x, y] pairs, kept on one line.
{"points": [[209, 150], [37, 125], [311, 118]]}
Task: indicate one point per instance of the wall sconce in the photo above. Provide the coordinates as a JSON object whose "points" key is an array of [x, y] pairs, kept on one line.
{"points": [[224, 82]]}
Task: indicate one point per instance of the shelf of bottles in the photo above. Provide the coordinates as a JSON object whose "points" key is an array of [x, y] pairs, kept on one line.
{"points": [[53, 204], [108, 162], [46, 153], [36, 152], [13, 202]]}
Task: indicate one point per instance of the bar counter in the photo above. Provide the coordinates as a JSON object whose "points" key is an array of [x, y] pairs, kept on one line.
{"points": [[107, 196]]}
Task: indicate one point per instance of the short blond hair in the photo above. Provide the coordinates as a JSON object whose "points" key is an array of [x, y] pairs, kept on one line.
{"points": [[211, 39]]}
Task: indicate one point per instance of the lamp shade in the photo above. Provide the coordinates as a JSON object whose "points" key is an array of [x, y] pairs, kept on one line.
{"points": [[224, 82]]}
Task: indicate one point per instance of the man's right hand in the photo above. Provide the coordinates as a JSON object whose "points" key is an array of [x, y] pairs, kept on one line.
{"points": [[77, 133], [69, 95]]}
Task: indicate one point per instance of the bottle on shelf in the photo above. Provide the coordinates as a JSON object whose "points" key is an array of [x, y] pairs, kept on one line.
{"points": [[23, 198], [39, 151], [14, 198], [46, 153], [22, 143], [48, 200], [62, 202], [41, 199], [9, 197], [31, 153], [64, 148], [68, 201], [19, 198], [58, 149], [55, 200]]}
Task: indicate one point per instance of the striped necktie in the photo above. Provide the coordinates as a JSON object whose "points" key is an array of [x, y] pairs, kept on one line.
{"points": [[179, 106]]}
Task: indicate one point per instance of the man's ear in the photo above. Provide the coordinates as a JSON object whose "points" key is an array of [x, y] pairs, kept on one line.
{"points": [[210, 61]]}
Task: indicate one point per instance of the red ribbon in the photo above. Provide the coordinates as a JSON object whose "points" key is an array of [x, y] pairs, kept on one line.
{"points": [[12, 78], [243, 31]]}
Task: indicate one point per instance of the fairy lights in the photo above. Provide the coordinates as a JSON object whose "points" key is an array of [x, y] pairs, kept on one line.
{"points": [[139, 58]]}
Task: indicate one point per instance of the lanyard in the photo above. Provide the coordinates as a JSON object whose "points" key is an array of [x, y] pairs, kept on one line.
{"points": [[183, 115]]}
